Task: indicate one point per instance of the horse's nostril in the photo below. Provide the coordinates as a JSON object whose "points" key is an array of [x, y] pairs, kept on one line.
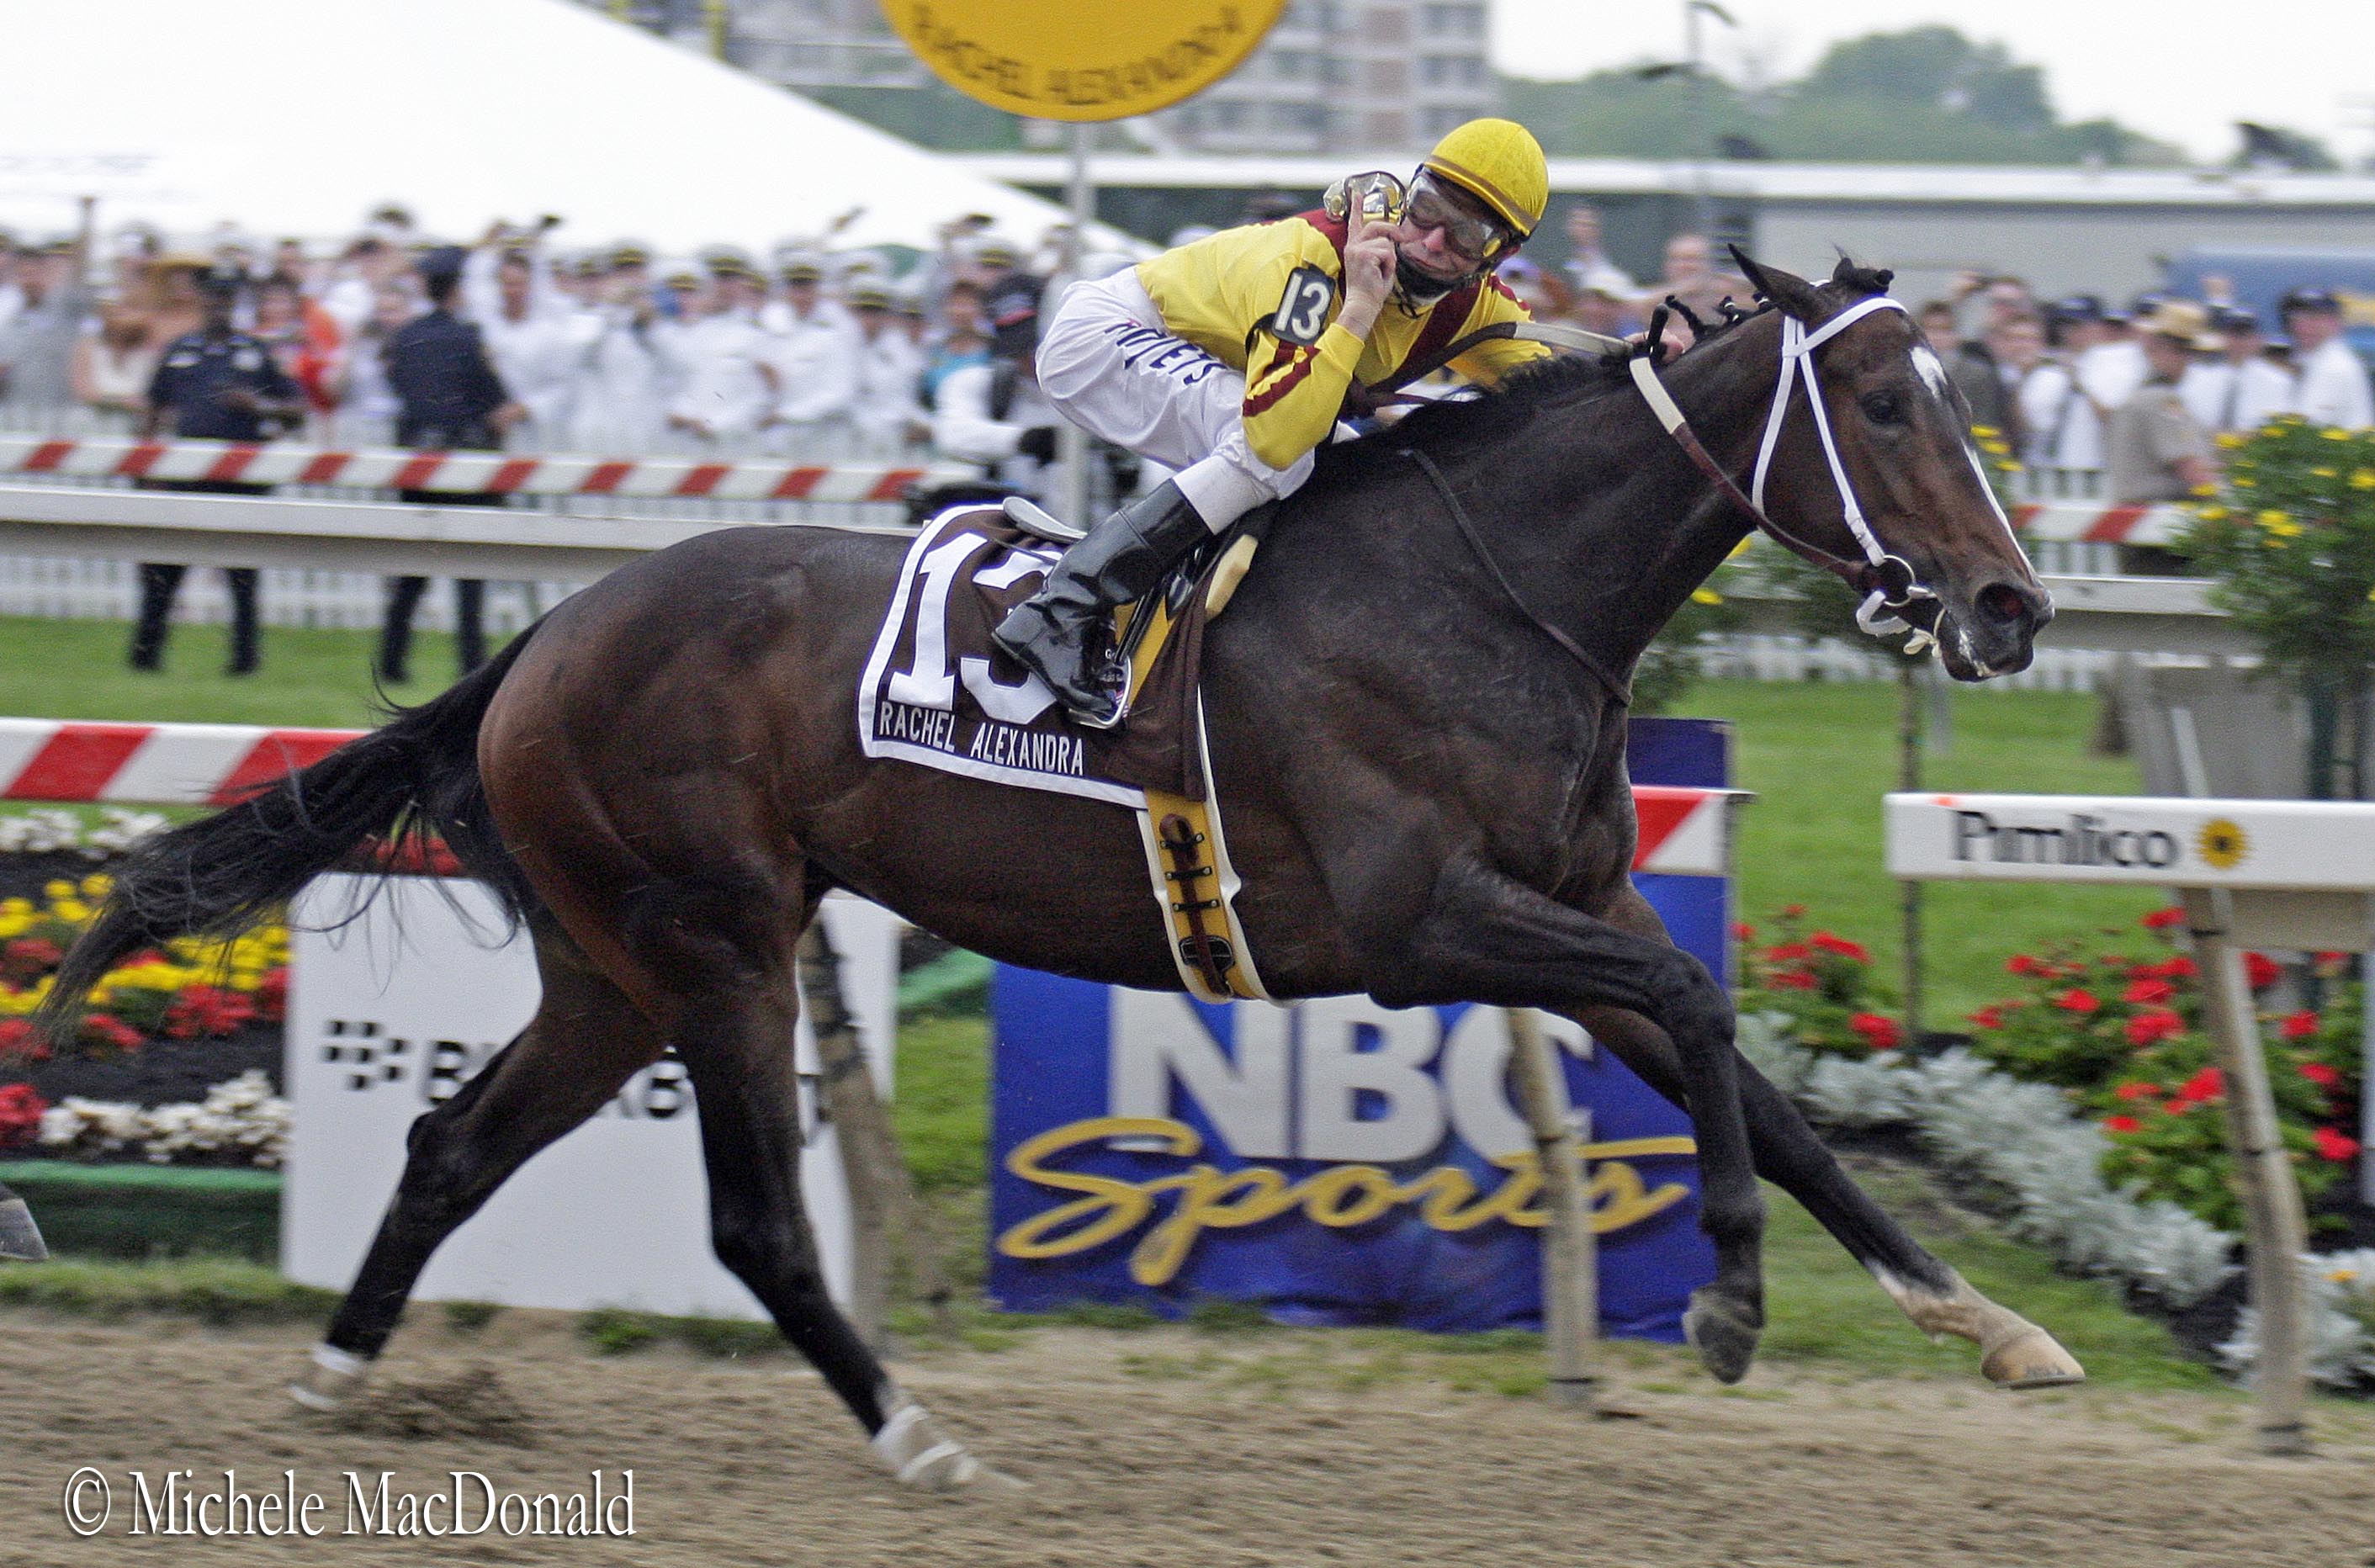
{"points": [[2002, 603]]}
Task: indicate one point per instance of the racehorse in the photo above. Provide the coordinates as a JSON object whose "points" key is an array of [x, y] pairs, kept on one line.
{"points": [[1416, 716]]}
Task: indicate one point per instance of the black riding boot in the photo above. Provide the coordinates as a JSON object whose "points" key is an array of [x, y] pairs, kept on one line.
{"points": [[1058, 632]]}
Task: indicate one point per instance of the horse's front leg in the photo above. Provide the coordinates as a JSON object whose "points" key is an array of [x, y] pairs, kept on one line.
{"points": [[1482, 936], [19, 1237]]}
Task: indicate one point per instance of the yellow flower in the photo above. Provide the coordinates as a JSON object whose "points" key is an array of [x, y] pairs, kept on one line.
{"points": [[1985, 432], [2322, 474], [2334, 432], [2230, 440], [2210, 514], [2343, 1275], [1705, 596], [2241, 483], [2205, 489], [2362, 479]]}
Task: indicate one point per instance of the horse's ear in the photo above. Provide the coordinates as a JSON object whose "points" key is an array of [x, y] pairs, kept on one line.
{"points": [[1793, 294], [1862, 279]]}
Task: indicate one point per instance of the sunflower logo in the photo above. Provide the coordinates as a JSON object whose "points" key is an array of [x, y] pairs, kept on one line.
{"points": [[2221, 844]]}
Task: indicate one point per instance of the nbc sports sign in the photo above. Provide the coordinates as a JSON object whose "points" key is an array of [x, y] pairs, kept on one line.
{"points": [[1336, 1160]]}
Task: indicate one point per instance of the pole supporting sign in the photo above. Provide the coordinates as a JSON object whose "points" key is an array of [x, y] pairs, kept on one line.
{"points": [[1081, 59]]}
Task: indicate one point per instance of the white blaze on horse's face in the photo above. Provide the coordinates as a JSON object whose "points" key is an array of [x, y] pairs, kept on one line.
{"points": [[1932, 371]]}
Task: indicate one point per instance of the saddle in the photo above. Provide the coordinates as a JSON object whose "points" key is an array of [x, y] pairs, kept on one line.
{"points": [[938, 691]]}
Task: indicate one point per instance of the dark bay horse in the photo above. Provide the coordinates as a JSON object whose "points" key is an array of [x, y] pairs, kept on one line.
{"points": [[1425, 792]]}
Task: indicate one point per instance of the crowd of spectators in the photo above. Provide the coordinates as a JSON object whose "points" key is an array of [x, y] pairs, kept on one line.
{"points": [[805, 352]]}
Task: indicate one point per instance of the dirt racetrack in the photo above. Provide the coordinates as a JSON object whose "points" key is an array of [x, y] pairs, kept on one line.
{"points": [[1170, 1447]]}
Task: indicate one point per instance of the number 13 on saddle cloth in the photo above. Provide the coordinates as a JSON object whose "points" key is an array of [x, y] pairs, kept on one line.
{"points": [[938, 691]]}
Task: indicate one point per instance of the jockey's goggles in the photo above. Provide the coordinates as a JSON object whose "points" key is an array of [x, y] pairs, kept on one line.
{"points": [[1470, 238]]}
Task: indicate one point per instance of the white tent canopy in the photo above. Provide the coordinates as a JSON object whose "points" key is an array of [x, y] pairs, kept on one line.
{"points": [[297, 117]]}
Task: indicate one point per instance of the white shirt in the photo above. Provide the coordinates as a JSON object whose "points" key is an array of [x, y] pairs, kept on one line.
{"points": [[889, 369], [816, 360], [2333, 389], [537, 357], [2064, 431], [2222, 395], [619, 401], [963, 428], [721, 386]]}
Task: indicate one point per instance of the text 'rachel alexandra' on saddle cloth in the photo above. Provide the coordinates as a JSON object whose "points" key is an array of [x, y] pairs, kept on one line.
{"points": [[938, 691]]}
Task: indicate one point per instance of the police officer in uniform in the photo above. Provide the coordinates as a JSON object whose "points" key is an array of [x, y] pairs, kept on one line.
{"points": [[217, 384], [1229, 359], [449, 399]]}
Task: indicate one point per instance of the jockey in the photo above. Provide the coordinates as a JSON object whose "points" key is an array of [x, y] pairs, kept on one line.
{"points": [[1230, 358]]}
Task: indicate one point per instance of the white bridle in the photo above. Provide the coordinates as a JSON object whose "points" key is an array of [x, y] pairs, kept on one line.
{"points": [[1798, 347]]}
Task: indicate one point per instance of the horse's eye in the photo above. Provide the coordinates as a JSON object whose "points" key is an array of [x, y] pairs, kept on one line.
{"points": [[1884, 408]]}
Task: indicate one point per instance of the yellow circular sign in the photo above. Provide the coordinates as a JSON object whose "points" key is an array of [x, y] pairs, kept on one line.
{"points": [[1081, 59]]}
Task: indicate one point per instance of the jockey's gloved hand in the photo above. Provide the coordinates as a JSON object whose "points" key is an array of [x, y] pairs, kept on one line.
{"points": [[1039, 443]]}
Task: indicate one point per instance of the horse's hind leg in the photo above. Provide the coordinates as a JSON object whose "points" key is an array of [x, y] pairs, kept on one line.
{"points": [[734, 1032], [585, 1040]]}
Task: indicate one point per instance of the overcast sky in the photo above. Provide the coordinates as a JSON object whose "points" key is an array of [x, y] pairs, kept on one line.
{"points": [[2181, 70]]}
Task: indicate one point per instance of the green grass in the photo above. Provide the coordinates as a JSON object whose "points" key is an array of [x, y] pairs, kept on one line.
{"points": [[212, 1289], [312, 676], [1820, 756]]}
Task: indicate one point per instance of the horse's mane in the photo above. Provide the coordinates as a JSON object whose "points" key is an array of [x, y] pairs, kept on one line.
{"points": [[1458, 423]]}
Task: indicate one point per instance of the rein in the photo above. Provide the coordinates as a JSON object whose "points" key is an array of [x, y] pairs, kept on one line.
{"points": [[1618, 688]]}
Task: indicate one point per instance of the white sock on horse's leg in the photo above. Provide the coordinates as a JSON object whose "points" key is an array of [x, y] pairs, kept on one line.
{"points": [[330, 1379], [920, 1453]]}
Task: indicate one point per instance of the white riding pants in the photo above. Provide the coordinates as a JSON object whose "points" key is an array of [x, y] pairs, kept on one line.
{"points": [[1107, 362]]}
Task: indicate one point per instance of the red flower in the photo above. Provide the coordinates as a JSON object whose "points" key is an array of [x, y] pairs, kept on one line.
{"points": [[272, 995], [1792, 911], [106, 1029], [207, 1012], [2320, 1074], [1789, 952], [1793, 979], [2204, 1087], [2163, 919], [2021, 963], [2148, 993], [2261, 970], [2336, 1146], [2121, 1124], [1741, 931], [1840, 945], [2179, 968], [2299, 1026], [1989, 1018], [20, 1114], [2075, 1000], [18, 1038], [2177, 1107], [2136, 1090], [2153, 1025], [1880, 1033]]}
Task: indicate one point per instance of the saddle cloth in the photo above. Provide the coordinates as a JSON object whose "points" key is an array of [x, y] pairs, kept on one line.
{"points": [[938, 691]]}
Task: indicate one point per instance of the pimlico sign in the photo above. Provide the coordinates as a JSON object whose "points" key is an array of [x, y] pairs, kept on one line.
{"points": [[2281, 844]]}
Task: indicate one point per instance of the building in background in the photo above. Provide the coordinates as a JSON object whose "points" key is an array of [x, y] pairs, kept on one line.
{"points": [[1334, 76]]}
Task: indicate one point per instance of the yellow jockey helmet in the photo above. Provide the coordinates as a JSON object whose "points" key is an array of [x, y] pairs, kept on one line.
{"points": [[1501, 164]]}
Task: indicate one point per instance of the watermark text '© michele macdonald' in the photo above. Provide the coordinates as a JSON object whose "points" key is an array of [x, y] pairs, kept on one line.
{"points": [[357, 1502]]}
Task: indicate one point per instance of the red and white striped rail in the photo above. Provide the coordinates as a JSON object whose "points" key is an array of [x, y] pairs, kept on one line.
{"points": [[2092, 523], [61, 760], [275, 463], [1683, 832]]}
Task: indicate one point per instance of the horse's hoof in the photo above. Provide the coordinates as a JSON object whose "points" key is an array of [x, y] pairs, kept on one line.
{"points": [[19, 1237], [330, 1380], [1723, 1334], [922, 1456], [2034, 1360]]}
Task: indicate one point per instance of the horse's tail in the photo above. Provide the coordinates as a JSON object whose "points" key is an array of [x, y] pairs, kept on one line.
{"points": [[413, 780]]}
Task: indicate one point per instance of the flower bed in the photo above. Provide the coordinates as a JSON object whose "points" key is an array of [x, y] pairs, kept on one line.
{"points": [[2089, 1106], [176, 1053]]}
